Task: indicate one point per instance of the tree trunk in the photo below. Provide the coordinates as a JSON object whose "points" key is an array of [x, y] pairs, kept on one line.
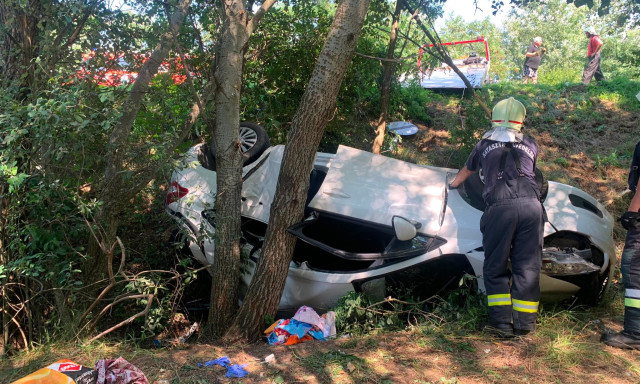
{"points": [[316, 109], [114, 184], [229, 160], [388, 69]]}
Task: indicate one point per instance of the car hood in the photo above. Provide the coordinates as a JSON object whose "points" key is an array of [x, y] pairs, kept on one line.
{"points": [[374, 188]]}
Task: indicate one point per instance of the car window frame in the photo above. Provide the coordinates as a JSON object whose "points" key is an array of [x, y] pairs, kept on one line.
{"points": [[389, 253]]}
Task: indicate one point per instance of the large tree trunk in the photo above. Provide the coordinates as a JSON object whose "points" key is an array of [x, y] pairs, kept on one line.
{"points": [[115, 190], [316, 109], [228, 76], [388, 68], [229, 159]]}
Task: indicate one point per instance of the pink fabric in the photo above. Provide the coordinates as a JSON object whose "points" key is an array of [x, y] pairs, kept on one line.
{"points": [[119, 371], [307, 315]]}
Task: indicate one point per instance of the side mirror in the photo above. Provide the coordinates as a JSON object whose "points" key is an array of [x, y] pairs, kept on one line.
{"points": [[404, 229]]}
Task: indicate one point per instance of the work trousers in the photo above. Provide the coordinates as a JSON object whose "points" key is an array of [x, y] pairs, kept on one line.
{"points": [[631, 278], [513, 231], [592, 69]]}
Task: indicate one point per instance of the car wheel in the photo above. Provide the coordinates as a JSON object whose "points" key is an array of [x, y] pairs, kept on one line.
{"points": [[593, 291], [474, 185], [253, 141]]}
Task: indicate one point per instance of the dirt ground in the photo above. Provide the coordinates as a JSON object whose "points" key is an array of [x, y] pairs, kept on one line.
{"points": [[410, 356]]}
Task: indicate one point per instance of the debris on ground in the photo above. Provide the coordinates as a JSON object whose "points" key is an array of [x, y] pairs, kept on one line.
{"points": [[61, 372], [271, 359], [119, 371], [177, 333], [108, 371], [305, 325], [233, 370]]}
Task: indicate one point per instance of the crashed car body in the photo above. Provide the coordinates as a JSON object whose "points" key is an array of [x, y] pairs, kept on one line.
{"points": [[359, 210]]}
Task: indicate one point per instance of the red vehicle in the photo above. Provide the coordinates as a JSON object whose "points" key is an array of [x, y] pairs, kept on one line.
{"points": [[118, 71]]}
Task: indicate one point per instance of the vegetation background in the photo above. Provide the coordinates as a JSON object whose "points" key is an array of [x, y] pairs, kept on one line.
{"points": [[55, 134]]}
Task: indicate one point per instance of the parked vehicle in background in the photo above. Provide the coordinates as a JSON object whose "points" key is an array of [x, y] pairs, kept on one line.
{"points": [[476, 68]]}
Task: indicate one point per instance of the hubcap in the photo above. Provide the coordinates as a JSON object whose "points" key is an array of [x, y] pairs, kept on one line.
{"points": [[248, 138]]}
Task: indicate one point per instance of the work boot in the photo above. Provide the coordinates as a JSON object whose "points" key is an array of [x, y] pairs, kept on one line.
{"points": [[624, 340], [521, 332], [501, 331]]}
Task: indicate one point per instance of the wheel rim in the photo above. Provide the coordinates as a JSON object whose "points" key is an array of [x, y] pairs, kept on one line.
{"points": [[248, 138]]}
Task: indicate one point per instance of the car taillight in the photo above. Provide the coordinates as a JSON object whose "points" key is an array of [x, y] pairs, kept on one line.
{"points": [[176, 192]]}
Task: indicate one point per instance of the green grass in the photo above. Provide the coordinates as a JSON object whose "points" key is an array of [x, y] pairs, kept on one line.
{"points": [[338, 366]]}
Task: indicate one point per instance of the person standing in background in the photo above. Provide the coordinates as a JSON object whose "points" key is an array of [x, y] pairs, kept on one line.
{"points": [[532, 61], [593, 57]]}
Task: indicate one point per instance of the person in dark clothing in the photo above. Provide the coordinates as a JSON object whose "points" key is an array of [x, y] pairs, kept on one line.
{"points": [[593, 57], [513, 220], [629, 338], [532, 61]]}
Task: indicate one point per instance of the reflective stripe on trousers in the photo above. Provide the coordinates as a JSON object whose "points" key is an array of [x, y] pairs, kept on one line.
{"points": [[499, 299], [630, 266]]}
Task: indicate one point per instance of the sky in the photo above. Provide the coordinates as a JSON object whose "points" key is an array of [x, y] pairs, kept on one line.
{"points": [[467, 10]]}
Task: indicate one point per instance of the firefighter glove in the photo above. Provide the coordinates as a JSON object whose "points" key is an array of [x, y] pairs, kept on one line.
{"points": [[630, 220]]}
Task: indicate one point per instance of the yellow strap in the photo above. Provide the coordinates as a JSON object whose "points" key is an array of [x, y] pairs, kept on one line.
{"points": [[500, 296]]}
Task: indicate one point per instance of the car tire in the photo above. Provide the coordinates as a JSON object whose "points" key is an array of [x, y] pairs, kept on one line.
{"points": [[592, 293], [253, 139], [474, 185]]}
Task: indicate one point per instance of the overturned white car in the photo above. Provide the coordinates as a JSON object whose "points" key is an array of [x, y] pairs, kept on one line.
{"points": [[373, 222]]}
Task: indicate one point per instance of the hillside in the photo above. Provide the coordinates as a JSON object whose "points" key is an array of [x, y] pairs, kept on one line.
{"points": [[586, 135]]}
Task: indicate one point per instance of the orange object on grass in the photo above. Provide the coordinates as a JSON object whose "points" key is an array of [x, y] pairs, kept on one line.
{"points": [[61, 372]]}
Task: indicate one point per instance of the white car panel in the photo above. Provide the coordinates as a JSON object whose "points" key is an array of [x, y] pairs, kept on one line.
{"points": [[374, 188]]}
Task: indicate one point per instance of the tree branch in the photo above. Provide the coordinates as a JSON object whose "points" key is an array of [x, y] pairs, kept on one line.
{"points": [[127, 321], [253, 23]]}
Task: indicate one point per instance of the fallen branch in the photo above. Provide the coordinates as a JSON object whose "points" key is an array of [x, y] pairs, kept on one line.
{"points": [[112, 280], [127, 321]]}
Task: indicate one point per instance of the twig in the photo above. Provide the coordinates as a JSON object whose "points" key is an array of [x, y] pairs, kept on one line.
{"points": [[119, 300], [127, 321], [112, 280]]}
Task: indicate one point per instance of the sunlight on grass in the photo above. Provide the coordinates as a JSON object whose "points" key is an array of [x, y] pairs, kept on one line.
{"points": [[339, 367], [613, 97]]}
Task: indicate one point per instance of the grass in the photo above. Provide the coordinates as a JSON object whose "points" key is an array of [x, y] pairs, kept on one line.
{"points": [[338, 367]]}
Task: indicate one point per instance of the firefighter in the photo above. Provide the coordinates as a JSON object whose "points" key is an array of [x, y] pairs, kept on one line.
{"points": [[513, 220], [629, 338]]}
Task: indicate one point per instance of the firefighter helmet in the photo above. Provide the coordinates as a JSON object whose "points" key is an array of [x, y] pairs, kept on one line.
{"points": [[508, 113]]}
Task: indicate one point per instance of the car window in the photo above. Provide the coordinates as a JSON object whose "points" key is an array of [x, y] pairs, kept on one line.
{"points": [[355, 240]]}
